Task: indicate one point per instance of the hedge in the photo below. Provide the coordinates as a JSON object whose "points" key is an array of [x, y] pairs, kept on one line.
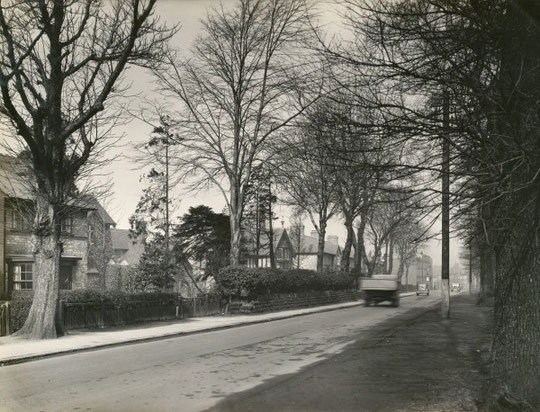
{"points": [[21, 301], [253, 282]]}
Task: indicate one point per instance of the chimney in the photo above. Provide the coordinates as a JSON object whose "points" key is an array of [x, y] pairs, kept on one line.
{"points": [[314, 233], [333, 239], [296, 230]]}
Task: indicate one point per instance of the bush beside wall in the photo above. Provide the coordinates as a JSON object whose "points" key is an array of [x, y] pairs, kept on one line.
{"points": [[287, 301], [237, 281]]}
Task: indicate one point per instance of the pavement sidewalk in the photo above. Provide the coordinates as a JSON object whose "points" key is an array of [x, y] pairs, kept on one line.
{"points": [[16, 350]]}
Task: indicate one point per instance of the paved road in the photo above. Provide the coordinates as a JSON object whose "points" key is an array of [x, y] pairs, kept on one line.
{"points": [[189, 373]]}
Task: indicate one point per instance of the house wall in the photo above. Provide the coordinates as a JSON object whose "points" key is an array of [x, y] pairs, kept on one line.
{"points": [[308, 262], [19, 242], [3, 283], [100, 250]]}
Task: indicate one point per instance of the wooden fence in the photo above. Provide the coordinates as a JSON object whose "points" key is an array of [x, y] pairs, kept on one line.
{"points": [[4, 319], [89, 315], [201, 306]]}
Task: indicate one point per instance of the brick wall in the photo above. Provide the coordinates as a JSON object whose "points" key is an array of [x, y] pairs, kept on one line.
{"points": [[274, 303], [99, 251], [3, 282]]}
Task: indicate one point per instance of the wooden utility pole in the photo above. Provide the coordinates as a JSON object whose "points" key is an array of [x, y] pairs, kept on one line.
{"points": [[470, 268], [445, 261], [167, 202]]}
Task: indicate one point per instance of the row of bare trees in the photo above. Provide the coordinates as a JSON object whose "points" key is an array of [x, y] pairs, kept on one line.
{"points": [[463, 78], [251, 79]]}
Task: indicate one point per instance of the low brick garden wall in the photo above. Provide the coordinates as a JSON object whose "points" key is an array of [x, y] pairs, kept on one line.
{"points": [[286, 301]]}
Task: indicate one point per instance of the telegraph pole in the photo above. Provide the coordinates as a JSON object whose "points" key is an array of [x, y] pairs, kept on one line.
{"points": [[445, 261]]}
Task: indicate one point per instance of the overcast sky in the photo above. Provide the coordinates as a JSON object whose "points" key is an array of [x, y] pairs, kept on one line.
{"points": [[126, 175]]}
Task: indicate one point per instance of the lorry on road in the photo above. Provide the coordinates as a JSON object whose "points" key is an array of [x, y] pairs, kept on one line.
{"points": [[380, 288]]}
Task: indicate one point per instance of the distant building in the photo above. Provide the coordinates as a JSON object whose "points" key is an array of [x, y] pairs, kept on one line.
{"points": [[294, 249], [420, 271]]}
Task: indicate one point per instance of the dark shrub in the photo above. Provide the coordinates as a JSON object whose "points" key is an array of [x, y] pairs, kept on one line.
{"points": [[253, 282], [19, 308]]}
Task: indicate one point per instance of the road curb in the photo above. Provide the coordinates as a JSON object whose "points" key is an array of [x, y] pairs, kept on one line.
{"points": [[29, 358]]}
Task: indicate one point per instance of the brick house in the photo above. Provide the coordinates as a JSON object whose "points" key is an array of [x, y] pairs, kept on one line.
{"points": [[298, 250], [283, 250], [307, 246], [85, 236]]}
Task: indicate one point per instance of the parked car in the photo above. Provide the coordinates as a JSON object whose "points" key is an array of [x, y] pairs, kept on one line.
{"points": [[422, 289], [456, 287]]}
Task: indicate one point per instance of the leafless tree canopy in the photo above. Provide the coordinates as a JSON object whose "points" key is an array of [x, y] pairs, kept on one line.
{"points": [[246, 79], [60, 63]]}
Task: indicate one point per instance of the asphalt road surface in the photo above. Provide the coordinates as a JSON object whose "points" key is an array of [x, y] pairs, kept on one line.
{"points": [[189, 373]]}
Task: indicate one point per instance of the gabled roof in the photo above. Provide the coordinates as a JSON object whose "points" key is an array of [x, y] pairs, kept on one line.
{"points": [[13, 181], [278, 235], [120, 239], [131, 249], [310, 244], [16, 183], [107, 219]]}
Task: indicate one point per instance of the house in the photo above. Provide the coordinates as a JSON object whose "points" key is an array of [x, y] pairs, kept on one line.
{"points": [[86, 242], [283, 252], [419, 270], [294, 249], [307, 247], [126, 254]]}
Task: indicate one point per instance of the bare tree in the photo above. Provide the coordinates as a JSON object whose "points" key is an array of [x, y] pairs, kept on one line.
{"points": [[307, 171], [60, 63], [243, 83], [482, 57], [408, 238]]}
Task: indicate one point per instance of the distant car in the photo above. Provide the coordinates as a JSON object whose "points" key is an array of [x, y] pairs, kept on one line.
{"points": [[456, 287], [422, 289]]}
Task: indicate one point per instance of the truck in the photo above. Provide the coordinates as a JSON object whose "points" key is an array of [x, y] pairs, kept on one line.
{"points": [[380, 288]]}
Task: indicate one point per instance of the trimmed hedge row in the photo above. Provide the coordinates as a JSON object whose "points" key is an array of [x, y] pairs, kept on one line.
{"points": [[21, 301], [254, 282]]}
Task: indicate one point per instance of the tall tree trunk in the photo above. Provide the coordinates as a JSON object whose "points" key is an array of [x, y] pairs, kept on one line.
{"points": [[346, 255], [407, 265], [271, 237], [257, 231], [320, 247], [42, 321], [516, 336], [235, 219], [516, 332], [391, 256], [361, 256], [401, 268]]}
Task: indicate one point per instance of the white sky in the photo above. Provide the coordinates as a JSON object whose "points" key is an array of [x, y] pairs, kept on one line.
{"points": [[125, 175]]}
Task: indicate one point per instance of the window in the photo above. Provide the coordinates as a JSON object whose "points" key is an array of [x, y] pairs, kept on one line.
{"points": [[15, 220], [22, 276], [67, 224], [91, 234], [283, 253]]}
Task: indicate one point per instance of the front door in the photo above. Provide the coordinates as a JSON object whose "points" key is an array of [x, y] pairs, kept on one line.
{"points": [[66, 272]]}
